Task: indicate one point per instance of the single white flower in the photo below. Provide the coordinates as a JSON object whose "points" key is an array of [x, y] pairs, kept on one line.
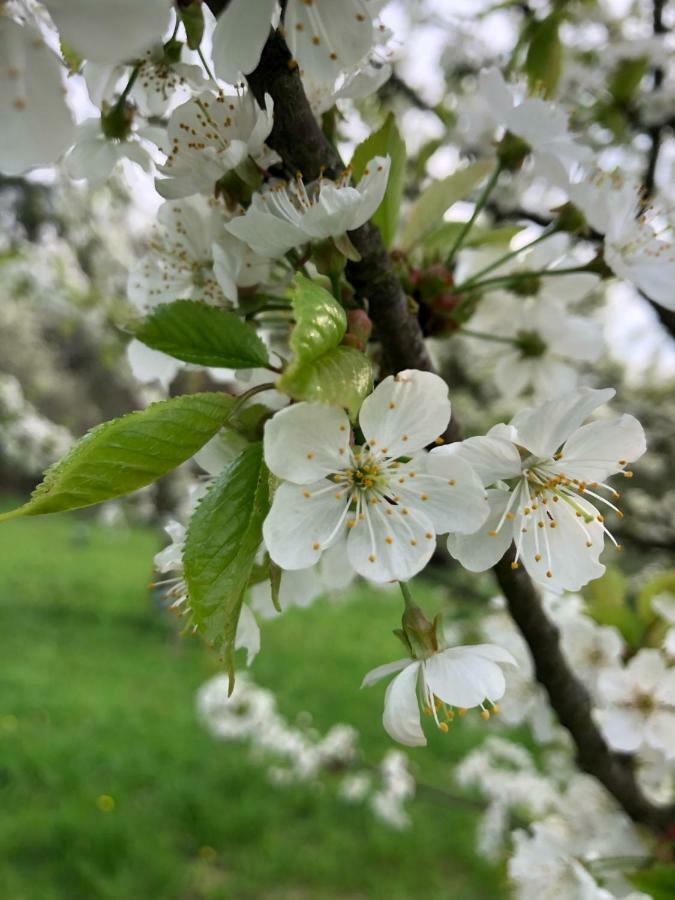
{"points": [[542, 125], [170, 560], [95, 155], [548, 468], [36, 121], [324, 36], [640, 709], [210, 135], [545, 339], [159, 83], [287, 215], [634, 244], [110, 32], [455, 678], [590, 648], [388, 495], [192, 257]]}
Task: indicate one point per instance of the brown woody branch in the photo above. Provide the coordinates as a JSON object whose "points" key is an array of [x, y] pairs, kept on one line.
{"points": [[301, 144]]}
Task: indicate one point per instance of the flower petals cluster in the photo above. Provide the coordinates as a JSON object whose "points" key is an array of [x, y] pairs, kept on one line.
{"points": [[324, 37], [454, 678], [286, 215], [386, 497], [210, 135], [545, 470]]}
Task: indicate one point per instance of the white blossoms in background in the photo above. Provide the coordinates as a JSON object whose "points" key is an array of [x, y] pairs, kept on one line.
{"points": [[325, 37], [208, 136], [287, 215], [547, 469], [640, 705], [634, 246], [388, 498], [455, 678], [110, 32], [36, 121], [542, 125]]}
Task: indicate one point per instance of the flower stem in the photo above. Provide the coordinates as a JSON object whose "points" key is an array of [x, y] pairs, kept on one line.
{"points": [[205, 64], [246, 396], [407, 596], [547, 232], [517, 276], [480, 203], [488, 337]]}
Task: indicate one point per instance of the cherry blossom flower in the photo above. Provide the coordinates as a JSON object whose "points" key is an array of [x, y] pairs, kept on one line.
{"points": [[324, 37], [193, 257], [455, 678], [208, 136], [542, 125], [110, 32], [37, 124], [640, 709], [388, 496], [95, 155], [547, 469], [634, 244], [287, 215]]}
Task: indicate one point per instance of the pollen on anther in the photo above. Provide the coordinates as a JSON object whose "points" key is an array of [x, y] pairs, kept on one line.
{"points": [[310, 456], [404, 437], [537, 557], [371, 558], [413, 542], [515, 565], [452, 482], [306, 494], [485, 714], [443, 726], [389, 539], [492, 533], [392, 405], [316, 546], [589, 543], [424, 496], [549, 574], [428, 535]]}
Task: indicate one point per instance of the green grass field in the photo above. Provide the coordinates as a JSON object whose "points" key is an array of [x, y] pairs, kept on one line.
{"points": [[97, 700]]}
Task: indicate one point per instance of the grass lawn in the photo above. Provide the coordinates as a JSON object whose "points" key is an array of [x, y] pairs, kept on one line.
{"points": [[97, 700]]}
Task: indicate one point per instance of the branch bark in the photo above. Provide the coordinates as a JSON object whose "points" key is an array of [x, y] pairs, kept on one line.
{"points": [[299, 141]]}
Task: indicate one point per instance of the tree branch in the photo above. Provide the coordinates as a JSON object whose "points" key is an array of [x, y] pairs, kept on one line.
{"points": [[299, 141]]}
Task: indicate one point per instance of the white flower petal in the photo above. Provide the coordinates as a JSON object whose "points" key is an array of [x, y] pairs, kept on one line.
{"points": [[299, 527], [336, 570], [478, 551], [455, 497], [463, 679], [239, 36], [492, 457], [660, 732], [380, 672], [623, 729], [405, 412], [307, 441], [593, 451], [248, 634], [150, 365], [544, 429], [391, 543], [328, 37], [401, 718]]}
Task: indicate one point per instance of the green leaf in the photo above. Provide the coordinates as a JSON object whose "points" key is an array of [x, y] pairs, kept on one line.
{"points": [[626, 79], [444, 236], [543, 63], [222, 539], [438, 197], [608, 604], [341, 377], [663, 583], [201, 334], [658, 881], [125, 454], [321, 370], [387, 141]]}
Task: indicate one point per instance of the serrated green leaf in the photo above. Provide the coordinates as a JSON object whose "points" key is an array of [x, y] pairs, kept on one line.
{"points": [[320, 321], [222, 539], [543, 63], [341, 377], [201, 334], [438, 197], [125, 454], [386, 141]]}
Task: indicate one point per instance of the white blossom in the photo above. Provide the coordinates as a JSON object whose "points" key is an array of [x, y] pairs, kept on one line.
{"points": [[547, 469], [389, 510], [454, 678], [639, 705], [210, 135], [289, 214], [542, 125], [36, 121], [95, 155]]}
